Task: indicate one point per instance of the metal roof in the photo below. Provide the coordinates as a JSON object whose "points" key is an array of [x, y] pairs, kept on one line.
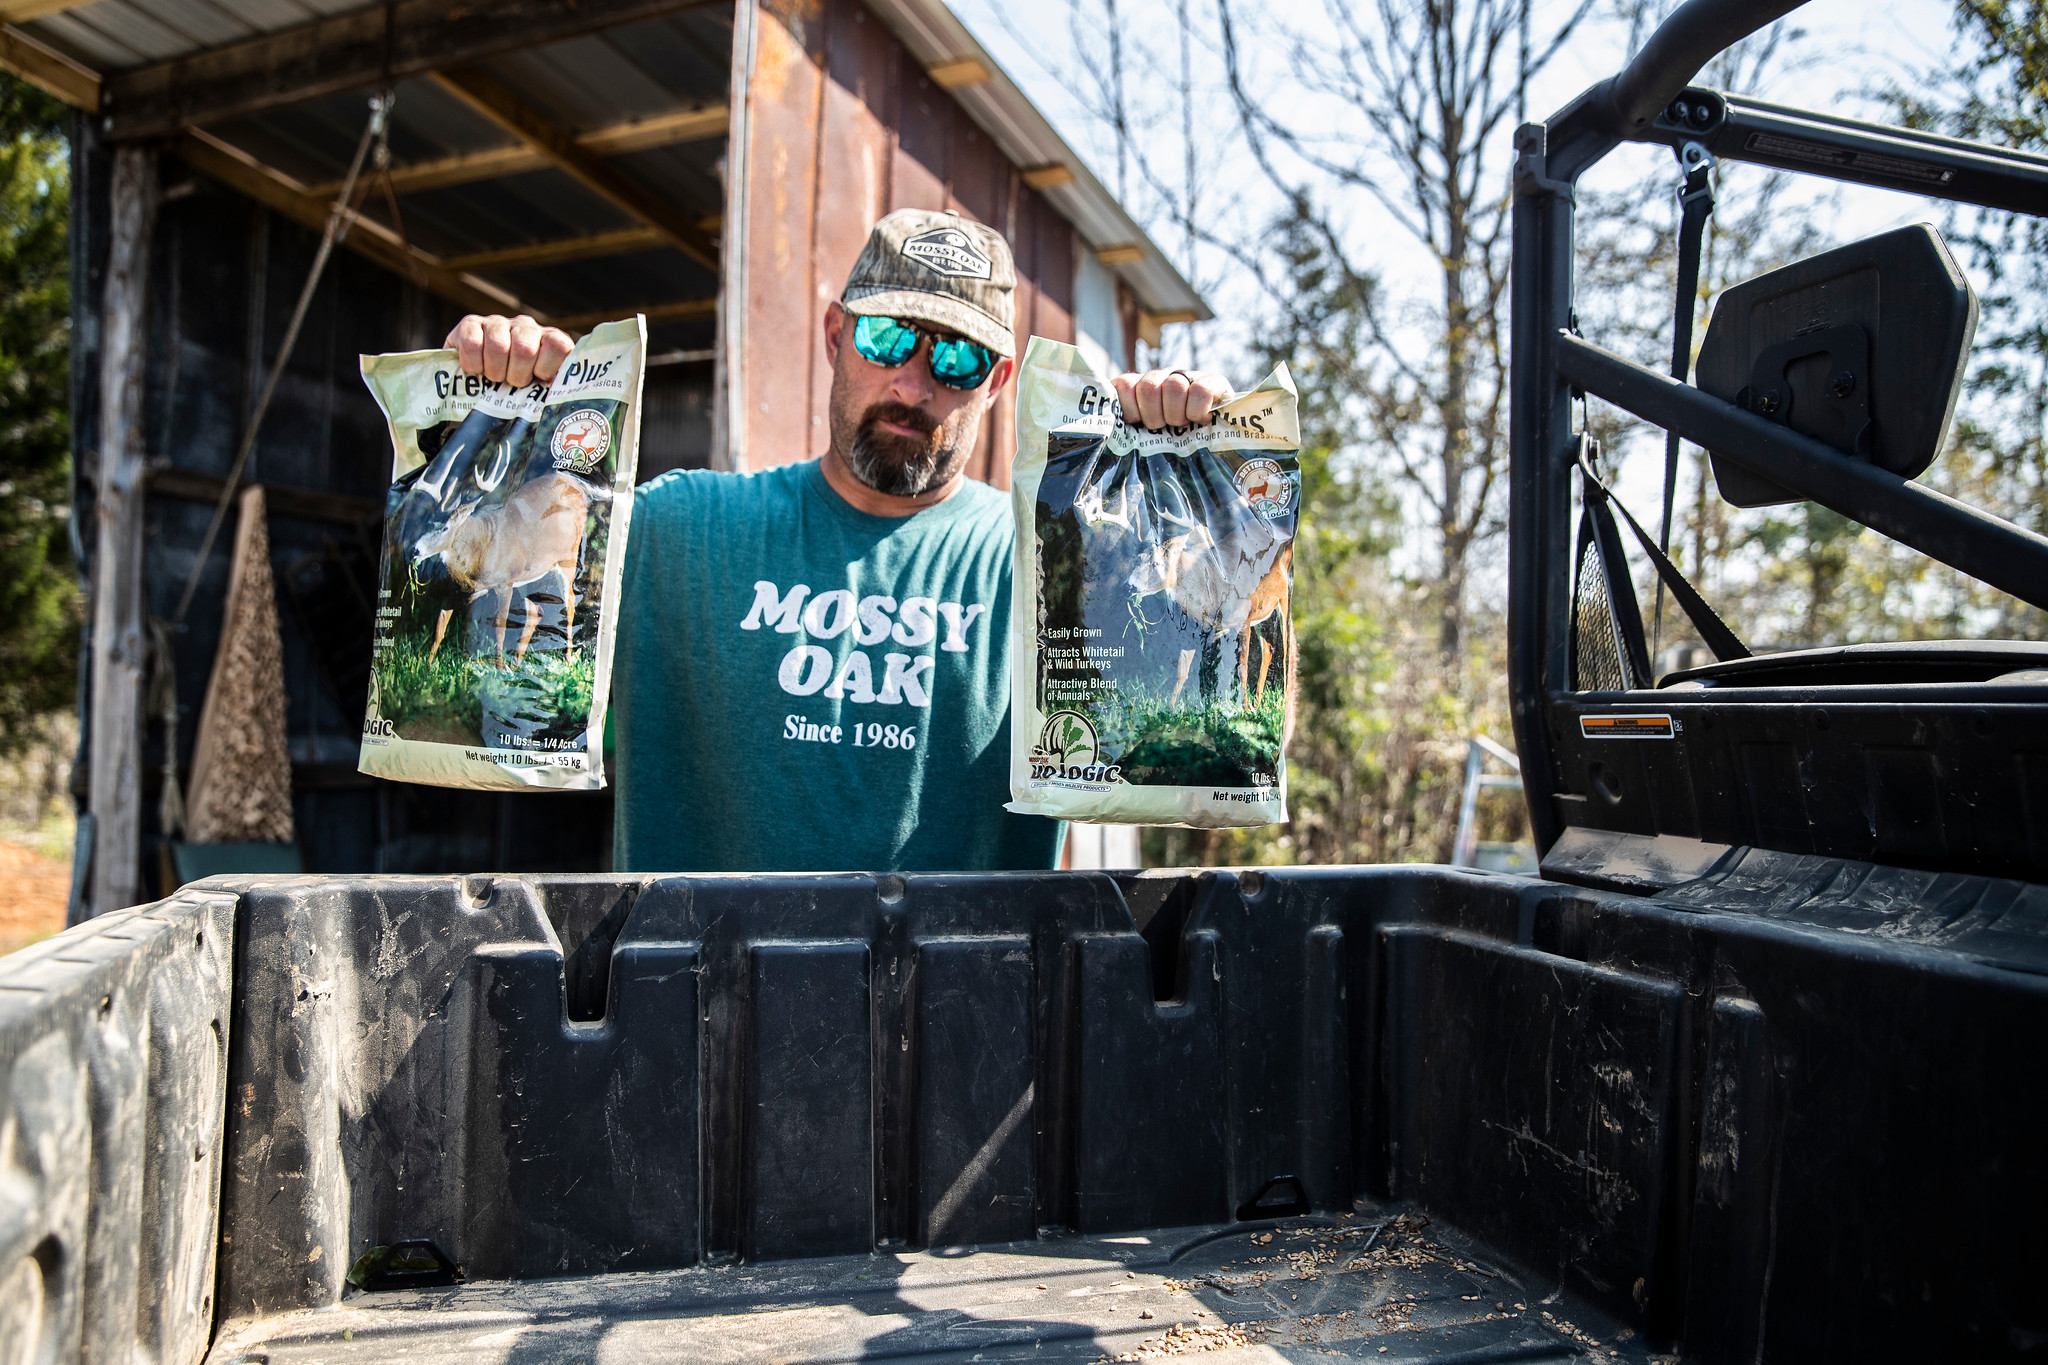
{"points": [[617, 132]]}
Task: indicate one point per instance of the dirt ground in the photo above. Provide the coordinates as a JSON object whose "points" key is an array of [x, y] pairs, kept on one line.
{"points": [[36, 835], [34, 890]]}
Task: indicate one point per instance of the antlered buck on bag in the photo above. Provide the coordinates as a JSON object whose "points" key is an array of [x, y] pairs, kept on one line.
{"points": [[497, 550]]}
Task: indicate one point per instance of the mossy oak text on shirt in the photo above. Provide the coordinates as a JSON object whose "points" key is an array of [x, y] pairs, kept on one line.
{"points": [[874, 619]]}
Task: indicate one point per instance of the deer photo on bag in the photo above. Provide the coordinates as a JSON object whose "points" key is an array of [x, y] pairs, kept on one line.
{"points": [[504, 531], [1154, 655]]}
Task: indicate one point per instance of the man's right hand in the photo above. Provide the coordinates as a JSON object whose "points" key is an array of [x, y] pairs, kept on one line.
{"points": [[1158, 399], [513, 351]]}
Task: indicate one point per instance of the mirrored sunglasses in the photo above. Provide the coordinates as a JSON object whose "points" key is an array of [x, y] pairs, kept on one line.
{"points": [[956, 362]]}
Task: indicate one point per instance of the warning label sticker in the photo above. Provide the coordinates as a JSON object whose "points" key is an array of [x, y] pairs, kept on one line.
{"points": [[1628, 727]]}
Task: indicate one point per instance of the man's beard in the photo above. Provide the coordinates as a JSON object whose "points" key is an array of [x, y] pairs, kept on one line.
{"points": [[903, 466]]}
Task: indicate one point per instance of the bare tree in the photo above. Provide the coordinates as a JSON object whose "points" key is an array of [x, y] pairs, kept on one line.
{"points": [[1789, 564], [1105, 93], [1426, 94]]}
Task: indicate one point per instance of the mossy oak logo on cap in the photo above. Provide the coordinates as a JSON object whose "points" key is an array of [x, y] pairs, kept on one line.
{"points": [[582, 439], [1067, 748], [950, 251]]}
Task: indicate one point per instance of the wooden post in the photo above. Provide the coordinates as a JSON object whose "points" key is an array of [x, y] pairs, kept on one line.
{"points": [[118, 639], [728, 394]]}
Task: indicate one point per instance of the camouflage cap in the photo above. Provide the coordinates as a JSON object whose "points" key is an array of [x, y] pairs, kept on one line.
{"points": [[940, 269]]}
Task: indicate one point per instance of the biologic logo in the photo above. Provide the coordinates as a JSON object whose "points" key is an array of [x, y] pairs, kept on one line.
{"points": [[1066, 749], [582, 439], [1266, 486]]}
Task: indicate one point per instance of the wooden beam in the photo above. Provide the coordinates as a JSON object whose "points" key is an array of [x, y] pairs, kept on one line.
{"points": [[295, 504], [1049, 177], [50, 70], [119, 653], [21, 11], [563, 249], [560, 147], [958, 74], [239, 171], [351, 51], [464, 169], [1150, 323], [684, 310], [687, 125]]}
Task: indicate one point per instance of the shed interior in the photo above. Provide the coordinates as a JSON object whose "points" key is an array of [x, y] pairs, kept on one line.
{"points": [[568, 159], [470, 212]]}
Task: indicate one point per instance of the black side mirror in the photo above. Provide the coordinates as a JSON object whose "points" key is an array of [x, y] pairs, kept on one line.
{"points": [[1862, 347]]}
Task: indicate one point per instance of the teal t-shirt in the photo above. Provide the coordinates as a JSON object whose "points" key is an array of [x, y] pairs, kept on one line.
{"points": [[800, 686]]}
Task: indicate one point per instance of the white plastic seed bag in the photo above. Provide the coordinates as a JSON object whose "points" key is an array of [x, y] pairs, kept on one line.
{"points": [[1153, 672], [504, 536]]}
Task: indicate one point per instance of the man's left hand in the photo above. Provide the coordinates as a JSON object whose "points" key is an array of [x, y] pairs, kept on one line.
{"points": [[1171, 398]]}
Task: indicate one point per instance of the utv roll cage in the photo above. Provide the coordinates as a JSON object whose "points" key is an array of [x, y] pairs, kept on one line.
{"points": [[1902, 754]]}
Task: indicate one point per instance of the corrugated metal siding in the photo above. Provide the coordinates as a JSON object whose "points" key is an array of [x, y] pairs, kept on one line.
{"points": [[843, 126], [313, 140], [225, 274]]}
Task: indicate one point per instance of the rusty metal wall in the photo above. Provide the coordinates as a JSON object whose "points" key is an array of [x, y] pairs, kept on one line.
{"points": [[843, 126]]}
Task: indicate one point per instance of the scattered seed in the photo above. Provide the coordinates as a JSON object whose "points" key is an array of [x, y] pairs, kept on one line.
{"points": [[1181, 1340]]}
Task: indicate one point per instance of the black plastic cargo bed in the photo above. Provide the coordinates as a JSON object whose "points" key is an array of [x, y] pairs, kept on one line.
{"points": [[1756, 1105], [1368, 1286]]}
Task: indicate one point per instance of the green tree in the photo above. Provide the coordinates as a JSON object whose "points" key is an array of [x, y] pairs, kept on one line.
{"points": [[1799, 575], [39, 597], [1414, 110], [1995, 90], [1376, 757]]}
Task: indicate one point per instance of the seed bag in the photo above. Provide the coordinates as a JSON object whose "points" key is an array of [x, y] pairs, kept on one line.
{"points": [[1154, 661], [504, 535]]}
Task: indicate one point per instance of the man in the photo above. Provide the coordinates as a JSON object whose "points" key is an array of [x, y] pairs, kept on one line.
{"points": [[813, 667]]}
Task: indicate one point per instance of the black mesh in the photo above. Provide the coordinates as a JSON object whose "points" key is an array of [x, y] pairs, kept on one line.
{"points": [[1597, 664]]}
